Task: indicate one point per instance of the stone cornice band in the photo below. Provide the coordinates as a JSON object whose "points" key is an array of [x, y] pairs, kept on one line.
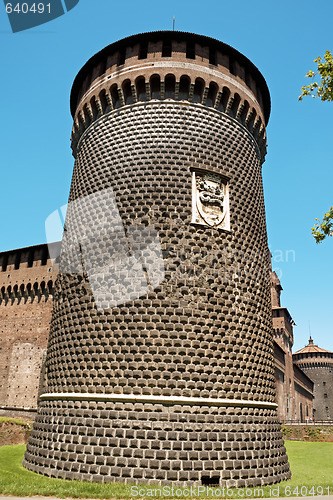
{"points": [[164, 400]]}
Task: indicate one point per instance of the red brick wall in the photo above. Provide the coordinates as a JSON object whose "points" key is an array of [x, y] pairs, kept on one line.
{"points": [[25, 315]]}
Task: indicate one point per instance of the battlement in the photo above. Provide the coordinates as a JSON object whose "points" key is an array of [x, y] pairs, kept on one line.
{"points": [[27, 273], [28, 257], [171, 65]]}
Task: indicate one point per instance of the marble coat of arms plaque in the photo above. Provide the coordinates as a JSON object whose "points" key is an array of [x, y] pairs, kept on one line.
{"points": [[210, 199]]}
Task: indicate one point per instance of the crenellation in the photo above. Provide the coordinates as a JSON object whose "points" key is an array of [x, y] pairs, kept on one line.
{"points": [[135, 66]]}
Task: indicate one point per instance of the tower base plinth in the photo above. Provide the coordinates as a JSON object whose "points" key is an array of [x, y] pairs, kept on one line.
{"points": [[156, 443]]}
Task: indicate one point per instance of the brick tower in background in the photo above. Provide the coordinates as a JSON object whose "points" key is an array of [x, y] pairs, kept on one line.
{"points": [[177, 384]]}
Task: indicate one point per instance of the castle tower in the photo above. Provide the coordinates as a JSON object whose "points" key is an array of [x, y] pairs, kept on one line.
{"points": [[165, 375], [317, 363]]}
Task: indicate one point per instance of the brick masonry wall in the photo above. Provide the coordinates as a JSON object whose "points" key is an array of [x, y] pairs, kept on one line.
{"points": [[25, 316], [322, 377], [201, 333]]}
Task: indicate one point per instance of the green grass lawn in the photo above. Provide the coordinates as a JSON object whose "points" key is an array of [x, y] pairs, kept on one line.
{"points": [[311, 465]]}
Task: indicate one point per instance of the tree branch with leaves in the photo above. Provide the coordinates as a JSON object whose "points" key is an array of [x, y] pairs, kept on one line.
{"points": [[324, 90], [325, 228]]}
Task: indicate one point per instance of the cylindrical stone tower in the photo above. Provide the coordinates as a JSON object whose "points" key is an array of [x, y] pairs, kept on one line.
{"points": [[171, 380]]}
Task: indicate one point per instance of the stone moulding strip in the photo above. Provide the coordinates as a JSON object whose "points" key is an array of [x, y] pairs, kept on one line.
{"points": [[164, 400]]}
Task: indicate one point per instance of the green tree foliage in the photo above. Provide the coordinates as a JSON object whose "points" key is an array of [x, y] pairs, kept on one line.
{"points": [[325, 228], [324, 90]]}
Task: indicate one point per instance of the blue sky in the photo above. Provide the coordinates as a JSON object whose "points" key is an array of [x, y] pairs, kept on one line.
{"points": [[281, 39]]}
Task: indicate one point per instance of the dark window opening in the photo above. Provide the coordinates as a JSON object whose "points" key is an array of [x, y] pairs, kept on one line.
{"points": [[247, 79], [232, 66], [166, 48], [143, 51], [235, 105], [212, 93], [212, 56], [155, 87], [190, 50], [141, 88], [102, 68], [127, 92], [94, 108], [31, 258], [115, 96], [121, 56], [45, 256], [103, 101], [198, 90], [170, 85], [86, 115], [17, 260], [224, 100], [210, 481], [244, 112], [5, 263], [184, 87]]}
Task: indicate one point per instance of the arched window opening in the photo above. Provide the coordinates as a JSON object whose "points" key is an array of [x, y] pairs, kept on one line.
{"points": [[94, 107], [104, 102], [155, 87], [50, 286], [224, 99], [115, 96], [190, 50], [235, 104], [87, 118], [198, 90], [140, 85], [257, 127], [143, 50], [127, 91], [170, 85], [212, 93], [166, 48], [184, 87], [244, 112], [252, 119]]}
